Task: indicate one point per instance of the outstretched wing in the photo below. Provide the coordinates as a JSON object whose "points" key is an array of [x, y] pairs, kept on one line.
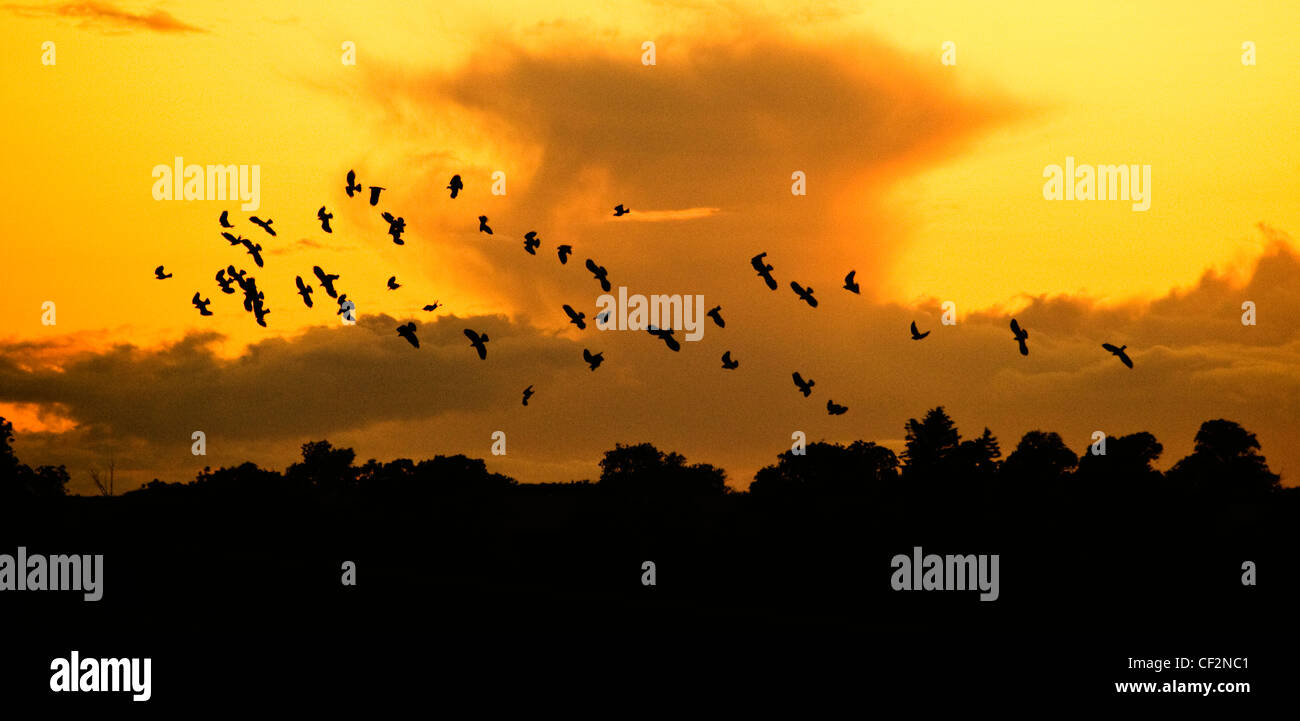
{"points": [[1110, 348]]}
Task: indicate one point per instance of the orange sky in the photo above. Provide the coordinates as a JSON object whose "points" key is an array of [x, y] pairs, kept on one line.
{"points": [[925, 178]]}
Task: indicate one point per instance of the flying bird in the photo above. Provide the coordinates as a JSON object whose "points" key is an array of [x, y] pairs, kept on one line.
{"points": [[716, 315], [264, 224], [532, 242], [805, 387], [375, 190], [600, 274], [916, 335], [159, 274], [1021, 335], [326, 281], [304, 290], [353, 186], [603, 317], [396, 226], [324, 219], [233, 239], [202, 305], [1119, 353], [805, 294], [728, 363], [238, 277], [408, 332], [850, 284], [479, 342], [225, 282], [455, 186], [393, 284], [225, 219], [764, 270], [528, 393], [483, 226], [835, 409], [666, 335], [346, 306], [593, 359], [254, 250], [260, 311], [563, 251], [575, 317], [619, 210], [432, 306]]}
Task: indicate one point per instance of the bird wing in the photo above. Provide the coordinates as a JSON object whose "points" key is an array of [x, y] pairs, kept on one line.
{"points": [[914, 330], [1126, 360], [1110, 348], [1015, 327]]}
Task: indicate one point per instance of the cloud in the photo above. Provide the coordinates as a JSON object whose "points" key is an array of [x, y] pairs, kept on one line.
{"points": [[106, 16]]}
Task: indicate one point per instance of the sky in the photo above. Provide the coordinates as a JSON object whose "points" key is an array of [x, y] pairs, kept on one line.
{"points": [[924, 177]]}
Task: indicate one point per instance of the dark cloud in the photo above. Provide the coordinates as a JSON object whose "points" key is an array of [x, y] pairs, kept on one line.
{"points": [[107, 16]]}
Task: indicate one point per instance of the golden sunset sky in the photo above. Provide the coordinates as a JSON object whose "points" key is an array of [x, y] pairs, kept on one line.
{"points": [[925, 178]]}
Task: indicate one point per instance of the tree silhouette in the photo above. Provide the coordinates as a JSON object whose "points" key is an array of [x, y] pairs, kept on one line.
{"points": [[1125, 470], [644, 471], [828, 469], [1225, 462], [930, 442], [1040, 462], [18, 481], [325, 467]]}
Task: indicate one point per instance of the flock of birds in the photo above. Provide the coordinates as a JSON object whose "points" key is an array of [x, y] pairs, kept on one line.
{"points": [[254, 298]]}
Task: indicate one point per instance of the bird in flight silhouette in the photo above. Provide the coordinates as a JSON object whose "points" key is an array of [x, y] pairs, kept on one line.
{"points": [[324, 219], [575, 317], [483, 226], [1119, 353], [225, 219], [666, 335], [916, 335], [254, 250], [593, 359], [396, 226], [225, 282], [600, 274], [728, 363], [260, 311], [619, 210], [408, 332], [805, 294], [263, 224], [202, 305], [159, 274], [528, 393], [393, 284], [805, 387], [353, 186], [432, 306], [455, 186], [835, 409], [603, 318], [563, 251], [375, 190], [479, 342], [233, 239], [1021, 335], [238, 277], [764, 270], [850, 284], [304, 290], [716, 315], [532, 242], [326, 281]]}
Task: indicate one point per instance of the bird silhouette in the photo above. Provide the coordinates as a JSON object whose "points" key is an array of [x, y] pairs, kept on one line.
{"points": [[479, 342], [260, 312], [728, 363], [1119, 353], [455, 186], [324, 219], [764, 270], [532, 242], [263, 224], [252, 296], [326, 281], [202, 305], [225, 282], [393, 284], [603, 318], [347, 308], [483, 226], [304, 290], [375, 190], [850, 284], [835, 409], [563, 251], [238, 277], [619, 210], [432, 306], [233, 239], [716, 315], [408, 332], [254, 250], [353, 186], [666, 335], [225, 219], [600, 274], [159, 274], [916, 335], [805, 294], [805, 387], [593, 359], [396, 226], [575, 317], [1021, 336], [528, 393]]}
